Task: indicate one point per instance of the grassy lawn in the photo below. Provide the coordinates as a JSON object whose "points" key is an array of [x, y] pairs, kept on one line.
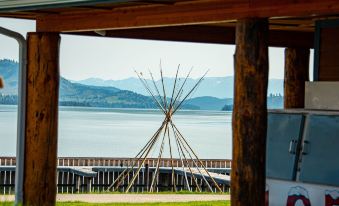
{"points": [[207, 203], [183, 192], [195, 203]]}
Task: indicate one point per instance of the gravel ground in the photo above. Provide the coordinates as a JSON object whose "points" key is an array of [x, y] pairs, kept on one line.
{"points": [[130, 198]]}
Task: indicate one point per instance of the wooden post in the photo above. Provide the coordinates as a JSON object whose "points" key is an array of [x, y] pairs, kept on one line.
{"points": [[250, 113], [41, 119], [78, 184], [89, 184], [296, 74]]}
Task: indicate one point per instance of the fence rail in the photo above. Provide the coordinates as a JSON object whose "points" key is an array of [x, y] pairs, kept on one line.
{"points": [[82, 174]]}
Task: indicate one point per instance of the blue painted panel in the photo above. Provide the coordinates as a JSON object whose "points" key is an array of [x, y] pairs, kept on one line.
{"points": [[283, 135], [320, 163]]}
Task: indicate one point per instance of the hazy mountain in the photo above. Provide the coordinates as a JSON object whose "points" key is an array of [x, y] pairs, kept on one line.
{"points": [[273, 102], [220, 87], [101, 96], [110, 93], [209, 103], [75, 94]]}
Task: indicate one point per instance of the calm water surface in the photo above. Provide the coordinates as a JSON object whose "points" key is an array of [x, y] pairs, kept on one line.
{"points": [[90, 132]]}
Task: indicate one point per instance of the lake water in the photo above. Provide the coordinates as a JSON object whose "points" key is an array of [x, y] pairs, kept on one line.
{"points": [[100, 132]]}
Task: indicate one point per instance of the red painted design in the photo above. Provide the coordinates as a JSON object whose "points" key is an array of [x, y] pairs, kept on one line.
{"points": [[330, 201], [292, 199], [266, 198]]}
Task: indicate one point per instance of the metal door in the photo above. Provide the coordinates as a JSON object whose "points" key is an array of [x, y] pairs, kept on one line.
{"points": [[283, 136], [320, 150]]}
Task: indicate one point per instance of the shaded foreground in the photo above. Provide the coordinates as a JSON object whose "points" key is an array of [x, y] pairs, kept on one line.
{"points": [[136, 199], [209, 203]]}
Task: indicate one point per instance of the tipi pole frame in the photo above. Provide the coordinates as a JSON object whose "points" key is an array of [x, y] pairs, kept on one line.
{"points": [[151, 141], [215, 183], [170, 149], [187, 163], [197, 166], [168, 109], [150, 92], [156, 88], [183, 166], [159, 157], [143, 161]]}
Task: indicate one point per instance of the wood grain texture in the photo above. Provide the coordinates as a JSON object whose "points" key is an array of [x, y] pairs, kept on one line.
{"points": [[181, 13], [329, 54], [208, 34], [250, 113], [41, 119], [297, 62]]}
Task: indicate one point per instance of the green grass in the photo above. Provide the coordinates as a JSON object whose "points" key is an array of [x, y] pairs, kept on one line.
{"points": [[207, 203], [204, 203], [184, 192]]}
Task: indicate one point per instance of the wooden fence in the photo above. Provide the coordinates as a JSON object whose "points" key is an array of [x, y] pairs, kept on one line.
{"points": [[107, 169]]}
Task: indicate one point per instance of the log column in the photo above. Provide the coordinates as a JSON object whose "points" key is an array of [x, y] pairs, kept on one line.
{"points": [[250, 113], [296, 74], [41, 119]]}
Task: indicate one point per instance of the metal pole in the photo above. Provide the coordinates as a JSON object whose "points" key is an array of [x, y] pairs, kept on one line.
{"points": [[20, 145]]}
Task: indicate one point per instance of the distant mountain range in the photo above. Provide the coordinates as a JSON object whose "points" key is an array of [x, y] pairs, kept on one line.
{"points": [[219, 87], [71, 94], [209, 103], [129, 93], [274, 101], [75, 94]]}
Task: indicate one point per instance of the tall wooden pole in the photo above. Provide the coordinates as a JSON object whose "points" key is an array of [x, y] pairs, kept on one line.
{"points": [[41, 119], [250, 113], [296, 74]]}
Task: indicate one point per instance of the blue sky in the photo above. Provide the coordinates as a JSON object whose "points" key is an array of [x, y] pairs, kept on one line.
{"points": [[113, 58]]}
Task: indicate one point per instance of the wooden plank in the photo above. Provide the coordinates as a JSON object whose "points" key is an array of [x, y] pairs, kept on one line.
{"points": [[207, 34], [249, 121], [41, 118], [329, 38], [328, 61], [291, 39], [181, 13], [330, 74], [199, 173], [329, 58], [297, 62]]}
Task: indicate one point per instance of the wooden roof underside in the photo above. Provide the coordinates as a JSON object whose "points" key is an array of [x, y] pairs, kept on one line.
{"points": [[212, 21]]}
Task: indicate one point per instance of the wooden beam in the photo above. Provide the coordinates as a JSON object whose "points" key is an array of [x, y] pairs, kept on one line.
{"points": [[291, 39], [250, 113], [182, 13], [207, 34], [297, 62], [190, 33], [327, 51], [41, 119]]}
